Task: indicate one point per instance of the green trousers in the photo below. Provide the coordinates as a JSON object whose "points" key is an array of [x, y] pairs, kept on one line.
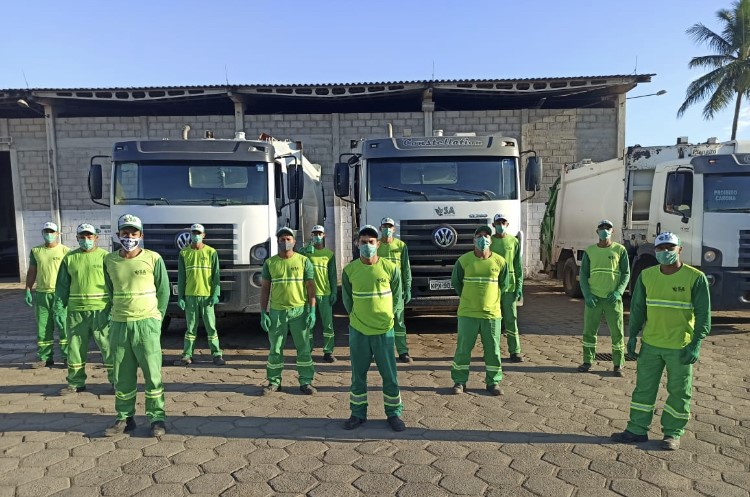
{"points": [[399, 328], [489, 331], [134, 344], [45, 326], [591, 320], [510, 321], [325, 311], [197, 308], [82, 325], [282, 323], [362, 350], [676, 413]]}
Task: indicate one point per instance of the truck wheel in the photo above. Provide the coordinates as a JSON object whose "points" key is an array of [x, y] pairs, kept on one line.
{"points": [[571, 285], [640, 264], [165, 323]]}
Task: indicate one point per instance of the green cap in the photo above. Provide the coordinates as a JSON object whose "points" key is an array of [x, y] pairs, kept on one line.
{"points": [[483, 228], [129, 220]]}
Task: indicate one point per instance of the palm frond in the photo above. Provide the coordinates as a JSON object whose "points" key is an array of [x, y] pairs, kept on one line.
{"points": [[720, 99], [702, 35], [711, 61], [699, 89]]}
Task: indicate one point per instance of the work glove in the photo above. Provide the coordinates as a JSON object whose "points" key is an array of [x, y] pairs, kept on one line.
{"points": [[632, 344], [591, 301], [613, 297], [28, 298], [181, 304], [59, 318], [333, 298], [407, 295], [519, 295], [310, 318], [265, 321], [690, 354], [214, 300]]}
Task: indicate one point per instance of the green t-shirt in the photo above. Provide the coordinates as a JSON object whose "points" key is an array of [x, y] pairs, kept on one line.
{"points": [[479, 283], [287, 277], [604, 270], [80, 282], [324, 264], [509, 248], [398, 253], [47, 262], [198, 272], [138, 287], [368, 292]]}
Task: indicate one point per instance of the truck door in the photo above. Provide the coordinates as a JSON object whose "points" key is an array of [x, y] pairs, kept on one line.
{"points": [[673, 208]]}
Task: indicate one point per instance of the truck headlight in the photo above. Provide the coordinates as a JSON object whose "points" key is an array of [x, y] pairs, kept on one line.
{"points": [[709, 256], [259, 252]]}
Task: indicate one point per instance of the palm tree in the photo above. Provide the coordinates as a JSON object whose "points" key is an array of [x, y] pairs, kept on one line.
{"points": [[728, 77]]}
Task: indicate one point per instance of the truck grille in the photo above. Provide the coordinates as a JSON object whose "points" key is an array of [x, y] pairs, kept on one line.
{"points": [[744, 252], [162, 238]]}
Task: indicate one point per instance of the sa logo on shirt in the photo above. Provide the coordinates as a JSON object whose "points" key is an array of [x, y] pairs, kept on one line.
{"points": [[140, 272], [382, 280], [678, 288]]}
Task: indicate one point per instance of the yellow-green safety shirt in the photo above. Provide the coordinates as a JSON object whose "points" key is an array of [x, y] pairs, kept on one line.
{"points": [[287, 277], [369, 292], [47, 263]]}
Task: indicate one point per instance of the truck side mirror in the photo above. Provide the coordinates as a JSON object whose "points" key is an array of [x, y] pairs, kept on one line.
{"points": [[95, 181], [295, 182], [341, 179], [533, 180]]}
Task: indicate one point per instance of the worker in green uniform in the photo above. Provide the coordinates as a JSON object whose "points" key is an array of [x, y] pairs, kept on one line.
{"points": [[371, 293], [397, 252], [138, 287], [82, 295], [673, 301], [326, 287], [508, 246], [44, 263], [604, 275], [198, 293], [288, 282], [479, 277]]}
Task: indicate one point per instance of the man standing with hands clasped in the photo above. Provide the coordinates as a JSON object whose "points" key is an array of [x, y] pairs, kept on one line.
{"points": [[288, 281], [673, 301]]}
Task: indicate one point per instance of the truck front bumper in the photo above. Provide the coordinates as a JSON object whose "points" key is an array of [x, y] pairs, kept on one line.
{"points": [[240, 292], [730, 288]]}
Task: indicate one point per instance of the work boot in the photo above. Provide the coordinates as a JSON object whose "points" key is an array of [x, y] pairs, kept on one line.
{"points": [[158, 429], [184, 361], [70, 390], [458, 388], [405, 358], [670, 443], [584, 368], [516, 358], [51, 362], [219, 360], [618, 371], [121, 426], [494, 389], [271, 388], [628, 437], [329, 357], [307, 389], [397, 424], [353, 422]]}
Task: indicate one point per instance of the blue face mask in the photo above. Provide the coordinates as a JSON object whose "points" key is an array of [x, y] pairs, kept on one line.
{"points": [[482, 243], [49, 237], [667, 257], [499, 229], [196, 239], [367, 251], [129, 244], [86, 244], [317, 240], [604, 234], [387, 232]]}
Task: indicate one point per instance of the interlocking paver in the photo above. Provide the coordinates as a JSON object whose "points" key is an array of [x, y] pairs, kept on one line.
{"points": [[293, 482], [634, 488], [375, 483], [42, 487], [463, 485], [126, 485]]}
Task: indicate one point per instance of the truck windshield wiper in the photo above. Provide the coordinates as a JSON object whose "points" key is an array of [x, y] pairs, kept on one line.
{"points": [[484, 194], [151, 199], [211, 201], [411, 192]]}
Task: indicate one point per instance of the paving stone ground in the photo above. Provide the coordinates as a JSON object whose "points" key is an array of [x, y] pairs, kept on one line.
{"points": [[546, 436]]}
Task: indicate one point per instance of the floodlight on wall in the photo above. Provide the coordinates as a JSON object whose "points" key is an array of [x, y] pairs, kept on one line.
{"points": [[23, 103], [657, 94]]}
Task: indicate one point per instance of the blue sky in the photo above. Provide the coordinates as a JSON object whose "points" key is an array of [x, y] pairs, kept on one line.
{"points": [[136, 43]]}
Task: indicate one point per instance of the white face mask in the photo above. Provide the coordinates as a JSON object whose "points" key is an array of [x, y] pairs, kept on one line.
{"points": [[286, 246], [129, 244]]}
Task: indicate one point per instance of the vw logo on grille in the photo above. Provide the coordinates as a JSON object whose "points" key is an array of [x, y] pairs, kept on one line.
{"points": [[182, 240], [444, 237]]}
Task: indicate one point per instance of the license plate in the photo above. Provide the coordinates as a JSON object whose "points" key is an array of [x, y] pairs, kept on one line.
{"points": [[441, 285], [174, 289]]}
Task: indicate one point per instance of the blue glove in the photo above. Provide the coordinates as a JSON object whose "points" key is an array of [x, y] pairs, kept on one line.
{"points": [[690, 354], [333, 298], [28, 298], [214, 300], [632, 344], [310, 318], [407, 295], [265, 321], [181, 304], [613, 297], [591, 301]]}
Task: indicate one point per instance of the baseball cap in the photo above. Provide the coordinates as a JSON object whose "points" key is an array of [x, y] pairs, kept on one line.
{"points": [[50, 226], [666, 238], [285, 231], [85, 228], [387, 220], [500, 217], [605, 222], [483, 228], [318, 227], [197, 227], [129, 220], [369, 229]]}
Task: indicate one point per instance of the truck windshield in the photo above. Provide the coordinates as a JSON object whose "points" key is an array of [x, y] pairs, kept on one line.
{"points": [[442, 178], [190, 183], [726, 193]]}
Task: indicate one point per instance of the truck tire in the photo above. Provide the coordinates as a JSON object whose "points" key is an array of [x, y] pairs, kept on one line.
{"points": [[571, 285], [639, 265]]}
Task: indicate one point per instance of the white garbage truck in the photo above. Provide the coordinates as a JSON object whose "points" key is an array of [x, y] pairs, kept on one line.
{"points": [[437, 189], [242, 191], [699, 192]]}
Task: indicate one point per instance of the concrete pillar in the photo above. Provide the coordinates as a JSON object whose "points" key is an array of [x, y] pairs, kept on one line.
{"points": [[428, 108], [620, 125], [50, 115]]}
